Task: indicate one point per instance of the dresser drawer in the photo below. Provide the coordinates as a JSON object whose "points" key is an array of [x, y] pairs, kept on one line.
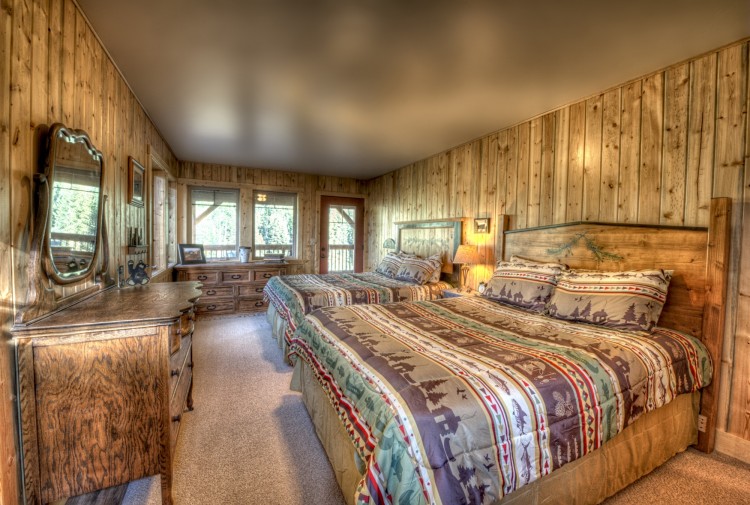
{"points": [[179, 400], [216, 292], [177, 362], [216, 307], [252, 305], [204, 277], [229, 277], [180, 329], [252, 290], [265, 274]]}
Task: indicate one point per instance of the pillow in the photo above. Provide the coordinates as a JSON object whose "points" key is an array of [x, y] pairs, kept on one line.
{"points": [[438, 270], [527, 285], [518, 259], [419, 270], [624, 300], [389, 265]]}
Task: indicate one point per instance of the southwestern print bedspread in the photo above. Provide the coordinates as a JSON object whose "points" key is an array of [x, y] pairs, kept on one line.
{"points": [[293, 296], [464, 400]]}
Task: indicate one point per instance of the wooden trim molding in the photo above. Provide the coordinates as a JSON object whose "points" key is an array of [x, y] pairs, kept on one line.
{"points": [[732, 446]]}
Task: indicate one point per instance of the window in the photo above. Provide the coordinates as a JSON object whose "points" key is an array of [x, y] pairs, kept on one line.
{"points": [[214, 221], [160, 224], [275, 222], [164, 224]]}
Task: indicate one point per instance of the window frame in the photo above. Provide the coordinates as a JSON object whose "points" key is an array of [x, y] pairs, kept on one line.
{"points": [[295, 250], [191, 216]]}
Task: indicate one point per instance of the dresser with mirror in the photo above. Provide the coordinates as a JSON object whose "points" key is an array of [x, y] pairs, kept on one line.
{"points": [[105, 374]]}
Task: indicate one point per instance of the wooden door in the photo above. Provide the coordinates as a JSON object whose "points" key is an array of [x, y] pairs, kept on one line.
{"points": [[342, 228]]}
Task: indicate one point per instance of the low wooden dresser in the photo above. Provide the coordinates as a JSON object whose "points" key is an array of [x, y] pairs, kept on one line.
{"points": [[231, 287], [102, 386]]}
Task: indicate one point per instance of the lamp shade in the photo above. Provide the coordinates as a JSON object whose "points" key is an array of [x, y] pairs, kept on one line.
{"points": [[389, 244], [466, 255]]}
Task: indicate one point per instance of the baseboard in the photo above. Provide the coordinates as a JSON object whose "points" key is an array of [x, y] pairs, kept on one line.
{"points": [[732, 446]]}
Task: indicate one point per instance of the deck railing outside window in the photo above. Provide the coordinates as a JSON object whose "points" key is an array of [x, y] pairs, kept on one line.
{"points": [[341, 258]]}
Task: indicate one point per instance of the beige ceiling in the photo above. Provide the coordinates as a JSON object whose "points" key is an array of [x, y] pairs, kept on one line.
{"points": [[361, 88]]}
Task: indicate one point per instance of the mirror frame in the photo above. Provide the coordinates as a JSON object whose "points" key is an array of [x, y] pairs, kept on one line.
{"points": [[59, 133]]}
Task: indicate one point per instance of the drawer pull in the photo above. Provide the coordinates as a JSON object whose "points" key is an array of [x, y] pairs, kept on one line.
{"points": [[202, 277], [258, 290], [177, 418], [236, 276], [211, 292], [175, 372], [258, 304], [211, 307], [267, 275]]}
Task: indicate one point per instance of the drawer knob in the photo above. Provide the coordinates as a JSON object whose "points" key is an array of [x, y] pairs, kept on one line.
{"points": [[177, 418], [211, 292], [202, 277], [211, 307], [258, 304], [267, 276], [190, 365], [236, 276], [258, 290], [175, 372]]}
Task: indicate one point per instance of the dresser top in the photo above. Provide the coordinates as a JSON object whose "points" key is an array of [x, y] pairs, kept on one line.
{"points": [[153, 303], [232, 264]]}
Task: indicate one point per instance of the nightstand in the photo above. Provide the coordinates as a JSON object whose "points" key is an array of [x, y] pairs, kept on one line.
{"points": [[453, 293]]}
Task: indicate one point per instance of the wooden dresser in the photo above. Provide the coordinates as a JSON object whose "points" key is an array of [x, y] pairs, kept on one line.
{"points": [[231, 287], [102, 386]]}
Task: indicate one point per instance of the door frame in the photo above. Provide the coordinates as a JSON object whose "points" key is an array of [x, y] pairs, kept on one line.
{"points": [[359, 230]]}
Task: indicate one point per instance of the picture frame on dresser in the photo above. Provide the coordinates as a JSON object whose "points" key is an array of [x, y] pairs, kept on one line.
{"points": [[191, 254]]}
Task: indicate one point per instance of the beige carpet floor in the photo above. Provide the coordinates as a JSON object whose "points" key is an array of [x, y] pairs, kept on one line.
{"points": [[249, 440]]}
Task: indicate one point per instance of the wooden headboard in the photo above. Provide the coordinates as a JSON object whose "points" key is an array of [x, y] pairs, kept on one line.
{"points": [[427, 238], [698, 256]]}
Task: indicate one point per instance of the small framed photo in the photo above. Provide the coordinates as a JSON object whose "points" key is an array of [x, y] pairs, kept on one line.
{"points": [[482, 225], [136, 182], [191, 254]]}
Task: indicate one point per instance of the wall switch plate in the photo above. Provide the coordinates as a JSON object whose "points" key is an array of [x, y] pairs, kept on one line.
{"points": [[702, 421]]}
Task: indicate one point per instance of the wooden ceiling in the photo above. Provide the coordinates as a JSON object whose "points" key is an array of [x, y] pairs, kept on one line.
{"points": [[362, 88]]}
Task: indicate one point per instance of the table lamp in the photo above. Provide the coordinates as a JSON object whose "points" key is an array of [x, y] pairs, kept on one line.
{"points": [[466, 255]]}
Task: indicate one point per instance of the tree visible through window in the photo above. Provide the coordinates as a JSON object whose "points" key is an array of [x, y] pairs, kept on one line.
{"points": [[275, 223], [214, 219]]}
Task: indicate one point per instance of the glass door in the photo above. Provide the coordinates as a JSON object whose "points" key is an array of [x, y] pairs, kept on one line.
{"points": [[341, 234]]}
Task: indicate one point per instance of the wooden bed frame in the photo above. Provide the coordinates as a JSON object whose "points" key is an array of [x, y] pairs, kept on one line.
{"points": [[698, 256], [433, 236]]}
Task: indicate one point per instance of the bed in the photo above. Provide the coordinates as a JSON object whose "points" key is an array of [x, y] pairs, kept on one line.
{"points": [[291, 297], [468, 400]]}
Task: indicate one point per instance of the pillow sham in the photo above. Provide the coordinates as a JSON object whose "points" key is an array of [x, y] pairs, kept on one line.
{"points": [[389, 265], [527, 285], [630, 300], [419, 270]]}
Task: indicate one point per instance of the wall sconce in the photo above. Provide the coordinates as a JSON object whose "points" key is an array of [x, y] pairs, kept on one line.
{"points": [[482, 225], [389, 244], [466, 255]]}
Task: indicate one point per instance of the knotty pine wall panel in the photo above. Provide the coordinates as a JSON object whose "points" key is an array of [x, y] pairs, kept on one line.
{"points": [[309, 187], [54, 69], [651, 151]]}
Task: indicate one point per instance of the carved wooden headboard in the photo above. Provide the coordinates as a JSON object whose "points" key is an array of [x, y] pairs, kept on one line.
{"points": [[698, 257], [427, 238]]}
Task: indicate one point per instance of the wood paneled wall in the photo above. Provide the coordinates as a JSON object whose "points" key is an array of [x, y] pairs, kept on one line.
{"points": [[309, 187], [54, 69], [652, 151]]}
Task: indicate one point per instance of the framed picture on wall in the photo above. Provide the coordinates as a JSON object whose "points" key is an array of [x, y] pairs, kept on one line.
{"points": [[136, 182], [191, 254], [482, 225]]}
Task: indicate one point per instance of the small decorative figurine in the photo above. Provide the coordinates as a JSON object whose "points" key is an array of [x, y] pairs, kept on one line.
{"points": [[138, 275]]}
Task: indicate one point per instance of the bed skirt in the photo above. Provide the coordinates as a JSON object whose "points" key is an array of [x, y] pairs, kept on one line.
{"points": [[278, 327], [650, 441]]}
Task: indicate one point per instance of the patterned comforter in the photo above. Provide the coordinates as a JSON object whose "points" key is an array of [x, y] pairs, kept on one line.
{"points": [[464, 400], [294, 296]]}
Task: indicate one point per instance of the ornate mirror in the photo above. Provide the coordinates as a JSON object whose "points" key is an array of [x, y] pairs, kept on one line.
{"points": [[73, 181]]}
